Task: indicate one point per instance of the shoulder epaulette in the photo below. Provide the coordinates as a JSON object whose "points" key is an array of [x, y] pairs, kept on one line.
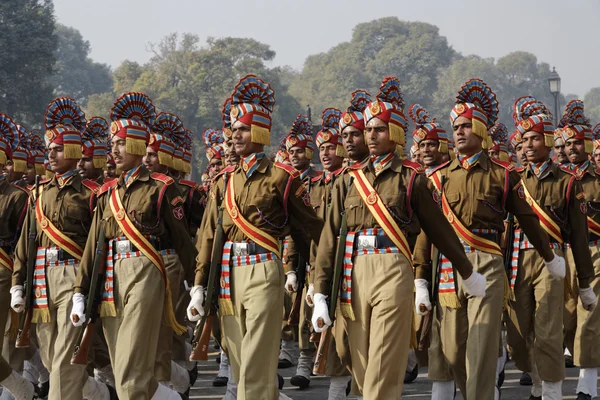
{"points": [[225, 170], [194, 185], [438, 167], [504, 164], [27, 191], [167, 180], [43, 181], [565, 168], [519, 169], [289, 169], [316, 179], [413, 165], [338, 171], [92, 185], [109, 184]]}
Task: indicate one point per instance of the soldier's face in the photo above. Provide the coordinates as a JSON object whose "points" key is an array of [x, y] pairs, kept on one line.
{"points": [[231, 157], [86, 168], [29, 176], [377, 136], [124, 160], [596, 157], [354, 143], [215, 166], [242, 140], [467, 143], [575, 149], [299, 158], [521, 155], [8, 170], [559, 151], [57, 160], [110, 172], [329, 159], [151, 162], [430, 153], [534, 147]]}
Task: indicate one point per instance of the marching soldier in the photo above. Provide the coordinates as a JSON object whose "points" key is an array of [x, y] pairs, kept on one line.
{"points": [[352, 128], [141, 214], [35, 158], [94, 147], [111, 167], [258, 198], [64, 207], [13, 204], [382, 204], [537, 296], [516, 141], [476, 191], [432, 141], [596, 155], [578, 137], [16, 167]]}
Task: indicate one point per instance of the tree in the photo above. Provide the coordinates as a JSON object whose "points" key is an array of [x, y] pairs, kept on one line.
{"points": [[591, 101], [28, 43], [76, 74], [99, 105], [125, 75]]}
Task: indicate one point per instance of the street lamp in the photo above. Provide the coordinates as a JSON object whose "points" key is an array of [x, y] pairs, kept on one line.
{"points": [[554, 82]]}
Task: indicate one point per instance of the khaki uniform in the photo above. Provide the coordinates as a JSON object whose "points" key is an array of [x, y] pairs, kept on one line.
{"points": [[70, 209], [139, 288], [382, 284], [471, 332], [538, 296], [587, 337], [252, 334]]}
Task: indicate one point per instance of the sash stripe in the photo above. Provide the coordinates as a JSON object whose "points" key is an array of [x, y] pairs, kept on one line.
{"points": [[546, 222], [593, 226], [5, 259]]}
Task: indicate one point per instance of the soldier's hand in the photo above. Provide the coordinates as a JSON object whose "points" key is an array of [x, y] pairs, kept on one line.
{"points": [[291, 282], [17, 302], [475, 284], [320, 318], [309, 295], [78, 310], [422, 301], [556, 267], [195, 309], [588, 298]]}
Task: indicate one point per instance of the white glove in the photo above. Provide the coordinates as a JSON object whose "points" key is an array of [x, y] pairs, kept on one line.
{"points": [[196, 304], [78, 310], [475, 284], [291, 283], [17, 302], [309, 295], [422, 296], [588, 298], [556, 267], [320, 311]]}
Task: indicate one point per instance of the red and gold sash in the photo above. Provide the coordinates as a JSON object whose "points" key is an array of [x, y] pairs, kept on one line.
{"points": [[143, 245], [476, 242], [255, 234], [5, 260], [593, 226], [53, 233], [381, 213], [551, 227]]}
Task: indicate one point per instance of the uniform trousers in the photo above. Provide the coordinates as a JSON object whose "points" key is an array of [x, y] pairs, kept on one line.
{"points": [[438, 368], [379, 337], [132, 336], [587, 337], [252, 335], [536, 311]]}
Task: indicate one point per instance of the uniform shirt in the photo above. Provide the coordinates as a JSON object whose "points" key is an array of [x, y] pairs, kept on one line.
{"points": [[260, 199], [13, 206], [69, 207], [475, 196], [551, 191], [391, 185], [590, 182], [194, 199], [140, 198]]}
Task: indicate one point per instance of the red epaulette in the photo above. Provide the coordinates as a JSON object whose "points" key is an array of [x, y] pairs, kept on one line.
{"points": [[225, 170], [43, 181], [26, 190], [109, 184], [92, 185], [167, 180], [565, 168], [316, 179], [504, 164], [294, 173], [194, 185], [413, 165], [519, 169], [338, 171]]}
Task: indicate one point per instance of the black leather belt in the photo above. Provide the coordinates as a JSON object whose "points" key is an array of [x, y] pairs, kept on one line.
{"points": [[247, 249]]}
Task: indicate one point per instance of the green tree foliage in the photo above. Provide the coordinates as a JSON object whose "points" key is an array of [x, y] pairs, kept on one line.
{"points": [[592, 105], [99, 105], [76, 74], [28, 44]]}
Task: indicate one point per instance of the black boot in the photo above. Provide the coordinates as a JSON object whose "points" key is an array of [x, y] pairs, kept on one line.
{"points": [[410, 376], [525, 380], [300, 381]]}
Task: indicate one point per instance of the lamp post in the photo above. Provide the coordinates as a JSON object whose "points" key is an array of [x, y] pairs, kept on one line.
{"points": [[554, 83]]}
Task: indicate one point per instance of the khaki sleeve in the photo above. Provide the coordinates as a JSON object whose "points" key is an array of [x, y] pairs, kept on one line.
{"points": [[422, 257], [291, 255], [579, 236], [437, 228], [528, 221], [206, 236]]}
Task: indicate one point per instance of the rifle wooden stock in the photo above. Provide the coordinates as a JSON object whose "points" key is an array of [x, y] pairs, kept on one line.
{"points": [[80, 355], [200, 350], [23, 334], [294, 317], [322, 353]]}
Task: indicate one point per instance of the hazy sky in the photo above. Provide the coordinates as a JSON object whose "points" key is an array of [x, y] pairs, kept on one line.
{"points": [[562, 33]]}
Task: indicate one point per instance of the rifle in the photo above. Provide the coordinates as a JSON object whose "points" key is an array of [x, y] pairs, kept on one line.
{"points": [[204, 326], [86, 334], [323, 349], [507, 239], [427, 319], [23, 334]]}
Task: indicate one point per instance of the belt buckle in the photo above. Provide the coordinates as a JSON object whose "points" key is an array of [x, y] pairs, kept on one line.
{"points": [[123, 246], [240, 249], [367, 242], [51, 255]]}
